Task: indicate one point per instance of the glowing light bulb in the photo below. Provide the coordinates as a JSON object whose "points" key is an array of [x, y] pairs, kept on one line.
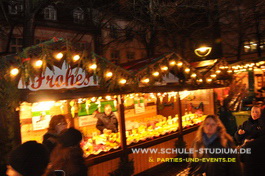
{"points": [[164, 68], [155, 74], [187, 70], [38, 63], [218, 71], [180, 64], [172, 63], [14, 71], [213, 75], [108, 97], [146, 80], [76, 57], [193, 75], [123, 81], [59, 56], [209, 80], [93, 66], [109, 74]]}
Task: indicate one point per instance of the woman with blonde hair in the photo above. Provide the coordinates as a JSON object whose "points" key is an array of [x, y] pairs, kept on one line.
{"points": [[211, 136]]}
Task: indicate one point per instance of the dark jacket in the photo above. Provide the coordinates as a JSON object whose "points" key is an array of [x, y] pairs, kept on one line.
{"points": [[215, 168], [253, 129], [254, 163], [50, 141], [109, 122]]}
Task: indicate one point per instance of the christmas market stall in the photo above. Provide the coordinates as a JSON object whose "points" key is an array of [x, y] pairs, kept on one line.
{"points": [[159, 105]]}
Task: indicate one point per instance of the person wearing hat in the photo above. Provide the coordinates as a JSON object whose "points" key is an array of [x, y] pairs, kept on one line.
{"points": [[28, 159], [68, 155]]}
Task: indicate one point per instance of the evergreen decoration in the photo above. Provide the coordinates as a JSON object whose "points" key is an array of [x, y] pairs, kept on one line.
{"points": [[9, 101], [120, 79], [219, 73], [46, 53], [170, 61], [126, 168]]}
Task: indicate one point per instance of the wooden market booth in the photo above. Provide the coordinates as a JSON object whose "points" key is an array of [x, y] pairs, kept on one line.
{"points": [[157, 105]]}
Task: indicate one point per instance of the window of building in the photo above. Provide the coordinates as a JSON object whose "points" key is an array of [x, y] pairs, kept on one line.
{"points": [[78, 15], [50, 13], [113, 31], [15, 8], [16, 45], [251, 46], [129, 34], [115, 56], [130, 55]]}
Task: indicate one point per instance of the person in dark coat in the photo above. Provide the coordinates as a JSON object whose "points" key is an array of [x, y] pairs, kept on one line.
{"points": [[57, 124], [212, 135], [107, 120], [251, 129], [28, 159], [68, 155]]}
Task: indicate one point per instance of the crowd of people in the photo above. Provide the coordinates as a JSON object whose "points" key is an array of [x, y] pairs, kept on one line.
{"points": [[60, 151], [212, 135]]}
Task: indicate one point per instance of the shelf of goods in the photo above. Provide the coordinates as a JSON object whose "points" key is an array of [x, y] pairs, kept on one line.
{"points": [[148, 129]]}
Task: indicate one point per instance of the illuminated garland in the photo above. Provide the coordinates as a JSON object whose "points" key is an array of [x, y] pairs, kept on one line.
{"points": [[34, 60]]}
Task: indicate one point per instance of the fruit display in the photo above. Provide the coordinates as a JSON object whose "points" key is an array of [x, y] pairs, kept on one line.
{"points": [[101, 143], [190, 119], [152, 127], [142, 130]]}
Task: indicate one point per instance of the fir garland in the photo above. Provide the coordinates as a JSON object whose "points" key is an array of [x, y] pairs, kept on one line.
{"points": [[9, 101]]}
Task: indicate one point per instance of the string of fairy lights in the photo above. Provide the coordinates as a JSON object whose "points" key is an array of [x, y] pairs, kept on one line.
{"points": [[147, 76]]}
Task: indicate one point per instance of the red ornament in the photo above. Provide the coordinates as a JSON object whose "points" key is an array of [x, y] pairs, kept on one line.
{"points": [[55, 39], [25, 59]]}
